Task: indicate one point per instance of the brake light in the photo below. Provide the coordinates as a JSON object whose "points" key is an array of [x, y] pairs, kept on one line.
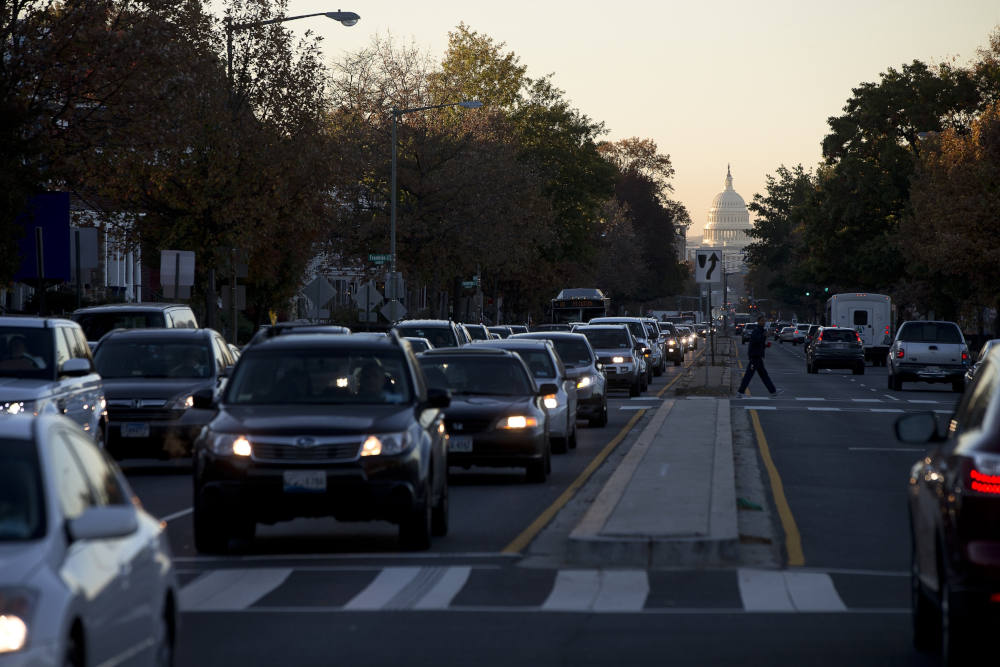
{"points": [[985, 483], [899, 353], [858, 335], [965, 356], [820, 336]]}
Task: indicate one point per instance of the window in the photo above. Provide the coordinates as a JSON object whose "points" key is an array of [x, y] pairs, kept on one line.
{"points": [[22, 504], [103, 480], [930, 332], [860, 317], [972, 410], [62, 348], [75, 494], [78, 344]]}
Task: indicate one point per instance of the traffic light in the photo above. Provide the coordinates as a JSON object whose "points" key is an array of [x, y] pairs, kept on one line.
{"points": [[807, 293], [826, 289]]}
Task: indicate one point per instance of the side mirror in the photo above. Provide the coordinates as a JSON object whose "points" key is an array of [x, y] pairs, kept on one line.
{"points": [[548, 388], [103, 523], [203, 399], [438, 398], [918, 428], [75, 368]]}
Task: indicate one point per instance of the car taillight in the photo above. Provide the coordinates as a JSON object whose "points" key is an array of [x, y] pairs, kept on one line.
{"points": [[965, 356], [858, 335], [899, 353], [983, 483], [820, 337]]}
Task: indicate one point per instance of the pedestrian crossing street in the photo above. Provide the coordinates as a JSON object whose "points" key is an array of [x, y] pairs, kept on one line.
{"points": [[493, 588]]}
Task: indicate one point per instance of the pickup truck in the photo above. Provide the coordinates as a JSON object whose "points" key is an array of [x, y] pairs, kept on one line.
{"points": [[928, 351]]}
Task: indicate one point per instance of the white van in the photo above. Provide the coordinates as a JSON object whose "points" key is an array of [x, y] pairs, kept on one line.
{"points": [[868, 314]]}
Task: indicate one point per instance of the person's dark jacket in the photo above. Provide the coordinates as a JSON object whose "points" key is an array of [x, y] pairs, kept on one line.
{"points": [[758, 342]]}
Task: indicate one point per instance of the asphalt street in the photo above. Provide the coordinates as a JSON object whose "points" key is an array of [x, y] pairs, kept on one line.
{"points": [[318, 592]]}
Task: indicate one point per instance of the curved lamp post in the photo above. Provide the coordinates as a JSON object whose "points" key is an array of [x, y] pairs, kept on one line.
{"points": [[396, 113]]}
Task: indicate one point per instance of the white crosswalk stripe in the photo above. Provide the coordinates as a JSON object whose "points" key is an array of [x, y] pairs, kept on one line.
{"points": [[448, 586], [389, 582], [574, 590], [231, 590], [789, 591]]}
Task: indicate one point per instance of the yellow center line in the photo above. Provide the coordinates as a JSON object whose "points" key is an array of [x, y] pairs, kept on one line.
{"points": [[528, 534], [793, 540]]}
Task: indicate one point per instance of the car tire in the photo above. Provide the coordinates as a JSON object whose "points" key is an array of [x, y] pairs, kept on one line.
{"points": [[210, 533], [536, 471], [955, 638], [558, 445], [439, 515], [925, 614], [859, 369], [677, 362], [415, 529], [74, 655], [572, 438], [166, 639], [658, 371], [602, 420], [635, 388]]}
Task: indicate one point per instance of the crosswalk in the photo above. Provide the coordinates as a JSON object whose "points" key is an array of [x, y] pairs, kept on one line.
{"points": [[495, 589]]}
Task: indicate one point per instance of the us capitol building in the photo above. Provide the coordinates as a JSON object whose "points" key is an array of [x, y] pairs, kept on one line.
{"points": [[727, 227]]}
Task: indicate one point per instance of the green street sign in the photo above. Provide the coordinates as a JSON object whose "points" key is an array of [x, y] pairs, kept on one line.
{"points": [[467, 284], [379, 259]]}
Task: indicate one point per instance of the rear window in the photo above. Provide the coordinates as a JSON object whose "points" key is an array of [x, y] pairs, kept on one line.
{"points": [[22, 506], [503, 376], [95, 325], [154, 359], [839, 335], [930, 332], [438, 336]]}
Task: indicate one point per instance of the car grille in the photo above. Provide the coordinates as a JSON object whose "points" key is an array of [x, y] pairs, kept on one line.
{"points": [[463, 426], [276, 452], [120, 414]]}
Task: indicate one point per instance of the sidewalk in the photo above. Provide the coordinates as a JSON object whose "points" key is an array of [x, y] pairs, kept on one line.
{"points": [[671, 502]]}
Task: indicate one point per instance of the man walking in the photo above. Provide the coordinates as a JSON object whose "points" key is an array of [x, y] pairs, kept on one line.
{"points": [[755, 350]]}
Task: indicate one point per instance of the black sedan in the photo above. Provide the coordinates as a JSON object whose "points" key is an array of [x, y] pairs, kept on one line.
{"points": [[835, 347], [323, 425], [150, 377], [496, 417], [954, 502]]}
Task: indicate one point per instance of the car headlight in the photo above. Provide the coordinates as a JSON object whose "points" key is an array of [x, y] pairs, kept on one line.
{"points": [[551, 401], [19, 407], [584, 382], [387, 444], [672, 342], [515, 422], [618, 360], [16, 605], [182, 402], [230, 444]]}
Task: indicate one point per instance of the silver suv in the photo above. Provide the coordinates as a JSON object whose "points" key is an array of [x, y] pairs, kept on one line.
{"points": [[928, 351], [46, 368]]}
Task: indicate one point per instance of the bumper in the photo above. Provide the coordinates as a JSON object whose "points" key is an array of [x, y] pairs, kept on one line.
{"points": [[620, 376], [591, 407], [502, 449], [837, 361], [35, 655], [384, 489], [160, 439], [675, 353], [929, 373]]}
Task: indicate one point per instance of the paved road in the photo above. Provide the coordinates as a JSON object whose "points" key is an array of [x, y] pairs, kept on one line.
{"points": [[318, 592]]}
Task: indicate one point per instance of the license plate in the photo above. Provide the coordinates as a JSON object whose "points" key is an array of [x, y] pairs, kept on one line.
{"points": [[305, 481], [460, 443], [933, 370], [135, 430], [621, 370]]}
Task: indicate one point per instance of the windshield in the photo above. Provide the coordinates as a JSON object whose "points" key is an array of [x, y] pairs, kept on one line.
{"points": [[151, 358], [607, 339], [930, 332], [573, 352], [96, 325], [438, 336], [497, 376], [26, 352], [22, 506], [320, 377]]}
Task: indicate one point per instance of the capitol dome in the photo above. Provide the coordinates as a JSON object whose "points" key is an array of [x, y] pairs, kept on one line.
{"points": [[728, 219]]}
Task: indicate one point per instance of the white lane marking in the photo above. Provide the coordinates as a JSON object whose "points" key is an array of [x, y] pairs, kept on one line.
{"points": [[914, 400], [885, 449], [764, 591], [810, 399], [177, 515], [811, 591], [622, 590], [573, 590], [893, 398], [759, 407], [389, 582], [867, 400], [231, 590], [447, 587], [457, 555], [884, 410], [633, 407], [645, 398], [823, 409]]}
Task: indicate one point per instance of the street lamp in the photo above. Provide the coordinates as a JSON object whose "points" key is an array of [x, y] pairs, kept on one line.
{"points": [[347, 19], [396, 113]]}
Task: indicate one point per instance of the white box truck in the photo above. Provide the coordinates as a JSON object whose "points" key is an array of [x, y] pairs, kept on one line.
{"points": [[868, 314]]}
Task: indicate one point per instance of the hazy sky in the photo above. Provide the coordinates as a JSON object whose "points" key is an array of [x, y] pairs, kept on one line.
{"points": [[746, 83]]}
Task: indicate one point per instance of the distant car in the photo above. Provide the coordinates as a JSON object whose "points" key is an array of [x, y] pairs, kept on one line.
{"points": [[746, 331], [811, 334], [419, 344], [313, 426], [928, 351], [501, 330], [150, 377], [582, 366], [787, 335], [99, 320], [284, 328], [836, 348], [650, 354], [518, 328], [496, 417], [546, 366], [86, 576], [477, 331], [776, 329], [551, 327], [617, 353], [46, 367], [988, 346], [688, 335], [954, 502], [441, 333]]}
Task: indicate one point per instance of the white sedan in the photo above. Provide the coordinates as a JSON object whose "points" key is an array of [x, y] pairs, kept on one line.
{"points": [[85, 574], [791, 335]]}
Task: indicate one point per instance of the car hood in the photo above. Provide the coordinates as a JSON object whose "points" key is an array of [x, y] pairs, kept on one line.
{"points": [[486, 406], [165, 388], [19, 560], [19, 389], [612, 352], [574, 372], [312, 419]]}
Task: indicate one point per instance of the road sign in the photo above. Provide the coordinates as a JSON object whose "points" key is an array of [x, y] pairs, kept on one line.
{"points": [[379, 259], [171, 261], [393, 311], [319, 291], [367, 317], [708, 265], [368, 297], [468, 284], [395, 287]]}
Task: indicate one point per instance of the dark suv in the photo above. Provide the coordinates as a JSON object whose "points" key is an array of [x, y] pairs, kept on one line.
{"points": [[441, 333], [99, 320], [323, 425]]}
